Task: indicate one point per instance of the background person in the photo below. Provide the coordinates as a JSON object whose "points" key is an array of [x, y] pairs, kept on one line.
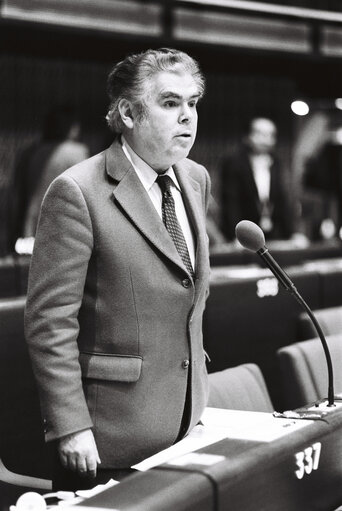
{"points": [[255, 187], [39, 164], [323, 178]]}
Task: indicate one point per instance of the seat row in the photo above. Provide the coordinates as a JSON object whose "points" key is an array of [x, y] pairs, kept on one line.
{"points": [[304, 378], [24, 460], [249, 316]]}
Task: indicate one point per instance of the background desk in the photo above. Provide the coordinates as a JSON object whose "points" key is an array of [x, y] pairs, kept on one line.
{"points": [[8, 279], [13, 275], [330, 272], [285, 252], [247, 318]]}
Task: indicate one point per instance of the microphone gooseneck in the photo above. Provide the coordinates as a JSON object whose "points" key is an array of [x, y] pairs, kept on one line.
{"points": [[250, 236]]}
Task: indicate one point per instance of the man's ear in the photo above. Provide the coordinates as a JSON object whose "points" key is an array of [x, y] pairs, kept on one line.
{"points": [[125, 109]]}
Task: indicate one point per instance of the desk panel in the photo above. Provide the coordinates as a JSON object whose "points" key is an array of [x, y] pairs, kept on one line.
{"points": [[158, 490], [330, 271], [248, 475], [285, 252], [264, 476], [8, 282], [14, 271], [229, 254], [22, 271], [332, 288]]}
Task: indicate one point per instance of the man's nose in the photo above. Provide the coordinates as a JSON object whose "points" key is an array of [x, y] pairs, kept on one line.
{"points": [[185, 115]]}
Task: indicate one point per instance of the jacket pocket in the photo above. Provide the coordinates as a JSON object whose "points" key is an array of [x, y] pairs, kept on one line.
{"points": [[109, 367]]}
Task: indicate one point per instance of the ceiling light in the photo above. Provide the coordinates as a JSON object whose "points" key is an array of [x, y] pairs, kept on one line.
{"points": [[338, 103], [300, 107]]}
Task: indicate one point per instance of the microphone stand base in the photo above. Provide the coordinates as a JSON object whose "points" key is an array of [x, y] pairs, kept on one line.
{"points": [[314, 411]]}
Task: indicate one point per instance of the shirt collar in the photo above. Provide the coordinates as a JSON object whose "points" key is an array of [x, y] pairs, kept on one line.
{"points": [[145, 173], [265, 159]]}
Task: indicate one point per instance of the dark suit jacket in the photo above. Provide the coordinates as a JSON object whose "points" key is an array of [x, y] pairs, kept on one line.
{"points": [[240, 199], [112, 316]]}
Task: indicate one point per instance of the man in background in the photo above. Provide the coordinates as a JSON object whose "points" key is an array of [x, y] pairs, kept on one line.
{"points": [[322, 179], [39, 164], [119, 278], [254, 185]]}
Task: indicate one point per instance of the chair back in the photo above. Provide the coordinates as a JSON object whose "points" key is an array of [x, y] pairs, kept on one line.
{"points": [[304, 372], [22, 445], [330, 320], [239, 388]]}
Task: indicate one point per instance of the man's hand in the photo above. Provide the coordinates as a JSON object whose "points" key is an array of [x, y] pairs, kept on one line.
{"points": [[78, 452]]}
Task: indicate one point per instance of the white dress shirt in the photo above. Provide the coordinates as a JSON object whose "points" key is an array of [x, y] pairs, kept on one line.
{"points": [[261, 167], [148, 178]]}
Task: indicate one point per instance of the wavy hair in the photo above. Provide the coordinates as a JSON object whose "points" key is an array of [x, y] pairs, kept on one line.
{"points": [[127, 80]]}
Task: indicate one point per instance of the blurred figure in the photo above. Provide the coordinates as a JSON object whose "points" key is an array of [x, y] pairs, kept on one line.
{"points": [[38, 165], [323, 177], [215, 235], [254, 186]]}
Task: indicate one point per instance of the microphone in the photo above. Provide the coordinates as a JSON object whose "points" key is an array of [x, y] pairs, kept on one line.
{"points": [[251, 236]]}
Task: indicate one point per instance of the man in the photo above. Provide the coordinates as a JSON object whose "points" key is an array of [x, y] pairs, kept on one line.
{"points": [[114, 311], [254, 186], [322, 184], [58, 149]]}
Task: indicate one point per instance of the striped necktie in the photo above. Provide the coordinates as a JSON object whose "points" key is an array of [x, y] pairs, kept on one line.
{"points": [[171, 222]]}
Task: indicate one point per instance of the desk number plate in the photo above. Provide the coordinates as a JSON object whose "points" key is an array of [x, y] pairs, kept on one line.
{"points": [[307, 460]]}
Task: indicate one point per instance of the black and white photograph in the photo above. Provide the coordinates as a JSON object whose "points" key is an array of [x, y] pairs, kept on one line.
{"points": [[171, 255]]}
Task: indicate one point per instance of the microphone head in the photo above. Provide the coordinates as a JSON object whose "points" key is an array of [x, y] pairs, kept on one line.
{"points": [[250, 235]]}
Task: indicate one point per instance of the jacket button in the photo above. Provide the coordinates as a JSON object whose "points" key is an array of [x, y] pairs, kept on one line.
{"points": [[185, 364], [186, 283]]}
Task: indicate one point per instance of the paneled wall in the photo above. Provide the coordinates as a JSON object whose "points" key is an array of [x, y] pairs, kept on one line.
{"points": [[31, 84], [29, 88]]}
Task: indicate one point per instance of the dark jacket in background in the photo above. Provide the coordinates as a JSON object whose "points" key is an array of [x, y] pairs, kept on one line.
{"points": [[240, 199]]}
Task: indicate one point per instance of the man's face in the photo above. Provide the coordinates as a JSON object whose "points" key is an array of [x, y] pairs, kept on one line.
{"points": [[167, 130], [263, 136]]}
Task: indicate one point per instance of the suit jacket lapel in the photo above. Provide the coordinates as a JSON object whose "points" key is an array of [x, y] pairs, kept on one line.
{"points": [[194, 205], [133, 198], [274, 181], [249, 177]]}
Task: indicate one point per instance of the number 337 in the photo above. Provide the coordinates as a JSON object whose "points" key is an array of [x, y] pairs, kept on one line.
{"points": [[307, 460]]}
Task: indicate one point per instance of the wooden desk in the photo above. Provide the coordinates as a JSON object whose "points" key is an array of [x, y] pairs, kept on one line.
{"points": [[297, 470]]}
